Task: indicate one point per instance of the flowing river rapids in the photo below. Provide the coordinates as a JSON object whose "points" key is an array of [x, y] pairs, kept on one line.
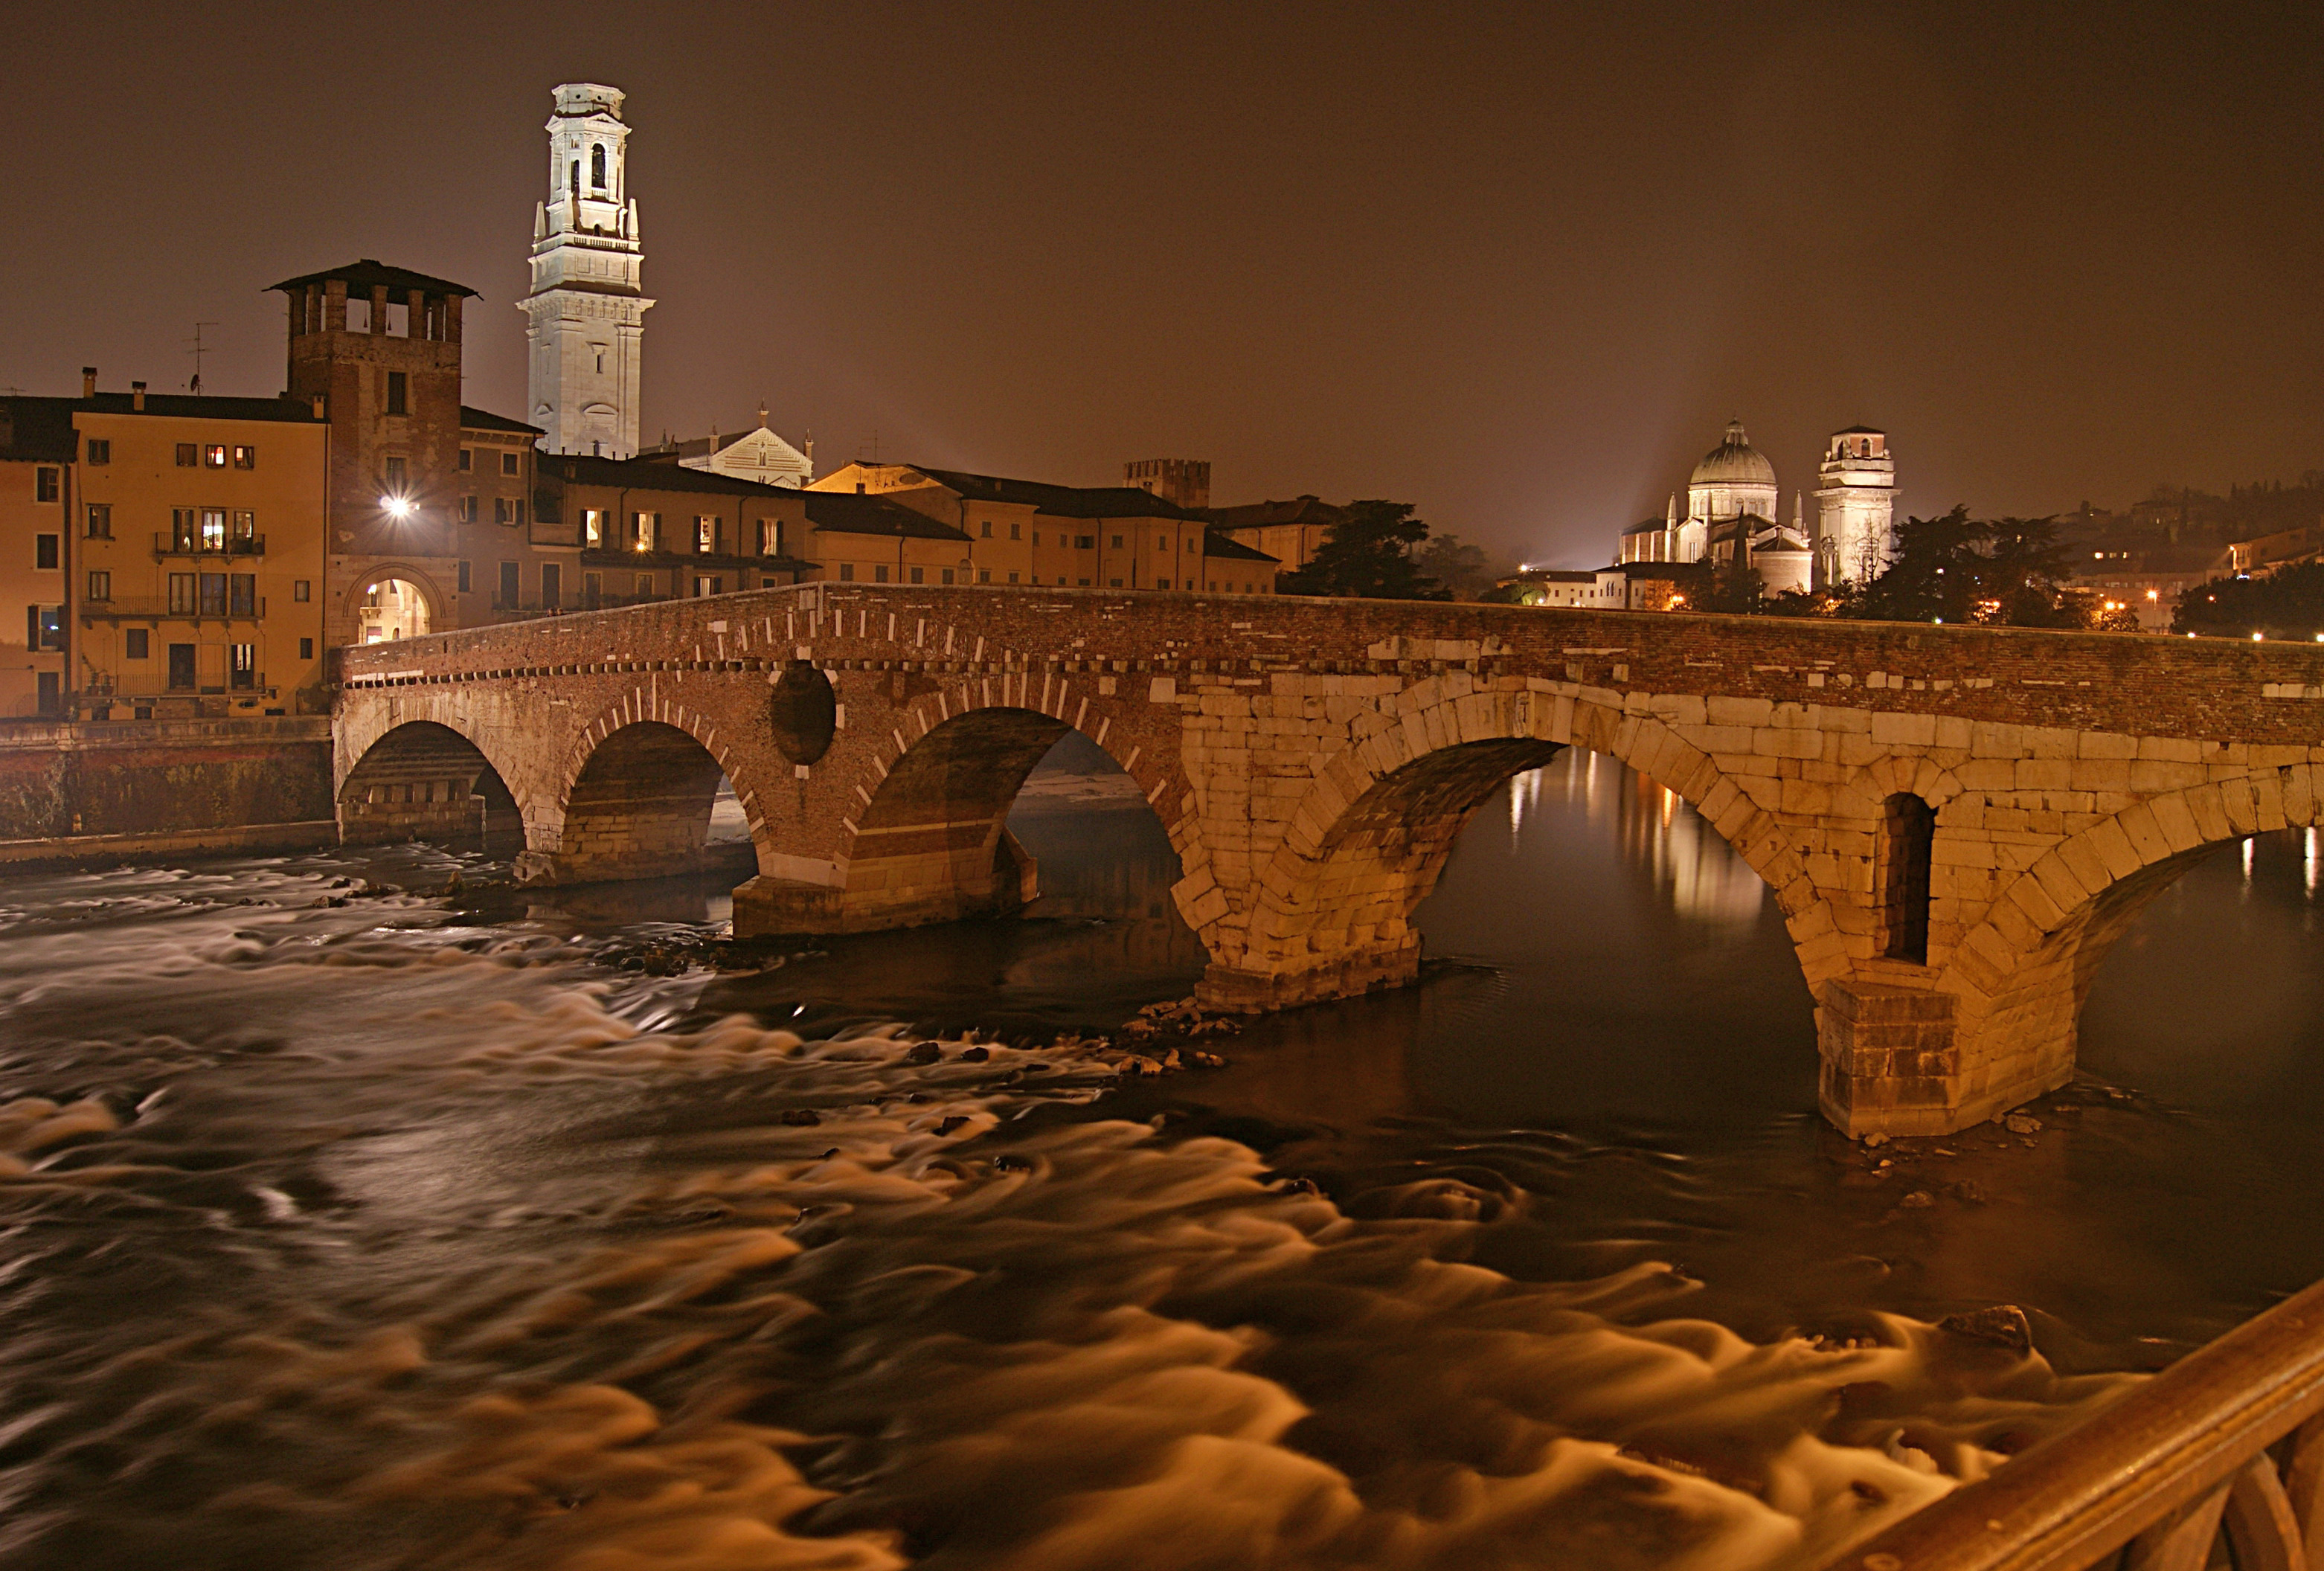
{"points": [[367, 1212]]}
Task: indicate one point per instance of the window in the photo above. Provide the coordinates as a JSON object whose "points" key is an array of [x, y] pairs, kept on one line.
{"points": [[242, 598], [101, 586], [509, 594], [947, 575], [918, 575], [137, 644], [467, 509], [468, 459], [245, 530], [1084, 542], [46, 483], [597, 167], [306, 648], [552, 585], [181, 666], [214, 455], [705, 533], [593, 527], [771, 536], [646, 530], [987, 528], [519, 510], [1908, 832], [181, 594], [1117, 542], [212, 594], [300, 590], [1084, 583], [399, 400], [847, 573], [503, 511], [48, 696], [100, 520], [1113, 583], [645, 586], [508, 464], [985, 576], [213, 529], [601, 370], [880, 573], [100, 450], [246, 457], [1161, 583], [592, 590], [187, 455], [466, 587], [44, 627], [44, 552], [395, 474], [242, 666], [1014, 531], [703, 586]]}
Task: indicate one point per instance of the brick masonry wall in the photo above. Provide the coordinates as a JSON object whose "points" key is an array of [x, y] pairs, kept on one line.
{"points": [[162, 777], [1314, 760]]}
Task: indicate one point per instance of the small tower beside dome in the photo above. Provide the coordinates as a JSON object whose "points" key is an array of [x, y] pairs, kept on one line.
{"points": [[1856, 508], [585, 314]]}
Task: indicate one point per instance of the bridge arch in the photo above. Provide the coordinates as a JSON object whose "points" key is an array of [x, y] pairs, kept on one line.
{"points": [[425, 780], [1332, 911], [635, 800], [927, 839], [2021, 976]]}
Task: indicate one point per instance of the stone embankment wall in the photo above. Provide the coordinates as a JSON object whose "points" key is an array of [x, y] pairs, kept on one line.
{"points": [[70, 791]]}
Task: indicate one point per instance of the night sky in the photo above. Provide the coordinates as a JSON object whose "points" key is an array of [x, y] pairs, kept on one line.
{"points": [[1516, 264]]}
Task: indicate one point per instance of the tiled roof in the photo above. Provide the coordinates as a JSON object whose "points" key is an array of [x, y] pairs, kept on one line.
{"points": [[37, 431], [199, 406], [1071, 502], [1219, 546], [474, 420], [1300, 510], [363, 276], [645, 475], [848, 512]]}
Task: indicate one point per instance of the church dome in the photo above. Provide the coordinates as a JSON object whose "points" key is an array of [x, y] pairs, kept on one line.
{"points": [[1734, 462]]}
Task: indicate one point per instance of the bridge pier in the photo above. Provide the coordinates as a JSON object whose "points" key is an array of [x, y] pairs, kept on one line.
{"points": [[961, 872]]}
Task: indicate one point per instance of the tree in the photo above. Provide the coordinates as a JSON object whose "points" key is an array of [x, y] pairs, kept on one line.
{"points": [[1959, 569], [2288, 604], [1369, 555], [1468, 571], [1735, 586]]}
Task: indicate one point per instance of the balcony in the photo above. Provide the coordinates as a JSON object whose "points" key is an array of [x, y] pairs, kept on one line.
{"points": [[157, 608], [166, 544]]}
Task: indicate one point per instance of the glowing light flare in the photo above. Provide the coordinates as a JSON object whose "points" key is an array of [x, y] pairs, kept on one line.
{"points": [[397, 507]]}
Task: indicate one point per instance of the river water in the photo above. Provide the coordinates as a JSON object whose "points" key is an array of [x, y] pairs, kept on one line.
{"points": [[366, 1212]]}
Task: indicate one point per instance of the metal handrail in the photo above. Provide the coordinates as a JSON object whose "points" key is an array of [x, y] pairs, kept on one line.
{"points": [[2182, 1458]]}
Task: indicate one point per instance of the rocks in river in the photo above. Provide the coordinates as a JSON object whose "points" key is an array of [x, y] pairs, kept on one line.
{"points": [[976, 1055], [1918, 1200], [799, 1117], [2021, 1123], [947, 1124], [2001, 1326], [924, 1052]]}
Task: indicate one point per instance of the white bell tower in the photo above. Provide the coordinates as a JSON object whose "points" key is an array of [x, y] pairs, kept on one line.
{"points": [[585, 315]]}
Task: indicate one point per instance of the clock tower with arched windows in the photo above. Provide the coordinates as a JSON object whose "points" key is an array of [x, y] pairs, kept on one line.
{"points": [[585, 314]]}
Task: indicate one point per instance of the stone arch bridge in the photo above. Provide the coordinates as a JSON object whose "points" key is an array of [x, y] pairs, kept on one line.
{"points": [[1956, 822]]}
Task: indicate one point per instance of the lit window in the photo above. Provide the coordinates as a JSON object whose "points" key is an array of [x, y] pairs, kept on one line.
{"points": [[245, 458], [101, 586], [705, 533], [593, 527], [214, 455]]}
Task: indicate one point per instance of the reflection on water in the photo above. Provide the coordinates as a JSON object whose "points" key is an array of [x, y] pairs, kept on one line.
{"points": [[342, 1228]]}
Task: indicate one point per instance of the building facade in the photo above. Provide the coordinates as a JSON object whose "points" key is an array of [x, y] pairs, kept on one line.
{"points": [[1856, 508], [585, 316], [176, 555], [758, 454], [1029, 532]]}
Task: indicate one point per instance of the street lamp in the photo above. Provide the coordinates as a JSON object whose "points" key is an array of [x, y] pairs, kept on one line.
{"points": [[397, 507]]}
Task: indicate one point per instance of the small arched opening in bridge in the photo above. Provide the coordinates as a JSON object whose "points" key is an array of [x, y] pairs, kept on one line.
{"points": [[1908, 834], [423, 781], [645, 805]]}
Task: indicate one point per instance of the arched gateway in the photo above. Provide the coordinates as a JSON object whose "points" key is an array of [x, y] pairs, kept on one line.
{"points": [[1956, 821]]}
